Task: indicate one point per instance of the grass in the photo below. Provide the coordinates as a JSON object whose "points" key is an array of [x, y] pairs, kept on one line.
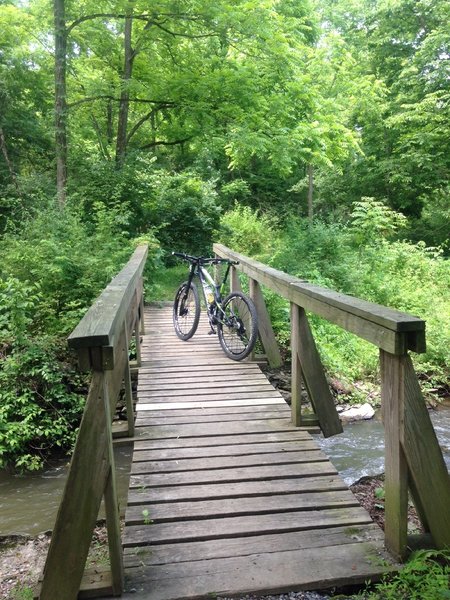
{"points": [[165, 283]]}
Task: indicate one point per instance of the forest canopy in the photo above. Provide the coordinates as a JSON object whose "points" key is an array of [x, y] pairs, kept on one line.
{"points": [[186, 121]]}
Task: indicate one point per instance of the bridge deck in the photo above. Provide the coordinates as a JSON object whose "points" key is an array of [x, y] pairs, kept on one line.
{"points": [[226, 497]]}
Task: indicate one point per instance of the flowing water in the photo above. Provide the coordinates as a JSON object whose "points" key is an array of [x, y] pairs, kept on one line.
{"points": [[359, 451], [28, 504]]}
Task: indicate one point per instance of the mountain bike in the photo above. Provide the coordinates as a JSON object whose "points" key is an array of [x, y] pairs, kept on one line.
{"points": [[233, 318]]}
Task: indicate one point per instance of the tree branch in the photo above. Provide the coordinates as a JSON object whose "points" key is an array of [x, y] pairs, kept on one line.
{"points": [[161, 103], [144, 17], [162, 143]]}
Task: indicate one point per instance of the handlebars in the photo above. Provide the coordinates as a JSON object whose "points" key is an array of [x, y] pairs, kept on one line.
{"points": [[202, 260]]}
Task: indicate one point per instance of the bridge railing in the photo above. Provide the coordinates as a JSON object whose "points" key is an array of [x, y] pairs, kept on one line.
{"points": [[413, 458], [102, 341]]}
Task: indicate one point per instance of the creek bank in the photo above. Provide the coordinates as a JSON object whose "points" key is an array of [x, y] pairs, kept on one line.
{"points": [[22, 559]]}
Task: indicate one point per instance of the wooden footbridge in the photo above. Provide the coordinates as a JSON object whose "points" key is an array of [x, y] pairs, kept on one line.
{"points": [[229, 493]]}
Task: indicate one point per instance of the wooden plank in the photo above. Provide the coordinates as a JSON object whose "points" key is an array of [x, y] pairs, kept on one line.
{"points": [[219, 477], [273, 573], [265, 328], [203, 395], [239, 489], [80, 504], [168, 419], [225, 462], [315, 380], [207, 403], [205, 430], [245, 546], [235, 450], [262, 524], [425, 460], [253, 410], [396, 471], [178, 387], [375, 323], [238, 507], [244, 438]]}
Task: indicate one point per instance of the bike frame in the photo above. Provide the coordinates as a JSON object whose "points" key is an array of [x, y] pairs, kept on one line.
{"points": [[213, 309]]}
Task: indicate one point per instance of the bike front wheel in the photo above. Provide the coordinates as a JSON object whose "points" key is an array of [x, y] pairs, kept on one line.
{"points": [[186, 311], [238, 326]]}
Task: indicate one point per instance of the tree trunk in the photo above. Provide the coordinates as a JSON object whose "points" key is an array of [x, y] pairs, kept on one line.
{"points": [[4, 150], [122, 126], [60, 100], [310, 192]]}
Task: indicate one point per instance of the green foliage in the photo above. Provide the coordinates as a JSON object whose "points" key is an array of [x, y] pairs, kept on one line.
{"points": [[184, 211], [373, 221], [399, 274], [247, 231], [48, 278], [22, 592], [426, 576], [38, 409]]}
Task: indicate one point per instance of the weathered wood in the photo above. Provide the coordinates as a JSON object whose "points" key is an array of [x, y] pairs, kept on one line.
{"points": [[128, 394], [100, 324], [396, 472], [112, 507], [296, 370], [246, 546], [271, 572], [314, 378], [167, 419], [210, 529], [210, 402], [265, 328], [377, 324], [219, 477], [174, 454], [211, 463], [240, 507], [80, 503], [235, 489], [425, 460]]}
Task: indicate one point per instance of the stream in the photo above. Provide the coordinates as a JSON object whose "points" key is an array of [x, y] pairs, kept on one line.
{"points": [[28, 503]]}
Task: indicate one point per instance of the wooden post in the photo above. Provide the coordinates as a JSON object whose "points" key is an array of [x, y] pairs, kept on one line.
{"points": [[141, 312], [137, 338], [314, 376], [396, 471], [296, 371], [426, 465], [112, 505], [235, 284], [127, 384], [78, 511], [265, 329]]}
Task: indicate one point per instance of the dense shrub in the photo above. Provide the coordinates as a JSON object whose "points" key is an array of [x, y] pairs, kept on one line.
{"points": [[182, 208], [52, 269], [359, 259]]}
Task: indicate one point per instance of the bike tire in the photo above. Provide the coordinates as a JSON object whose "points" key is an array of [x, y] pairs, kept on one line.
{"points": [[186, 311], [238, 327]]}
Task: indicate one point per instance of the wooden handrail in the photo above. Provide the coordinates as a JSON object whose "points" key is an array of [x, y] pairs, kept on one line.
{"points": [[413, 458], [389, 329], [102, 340]]}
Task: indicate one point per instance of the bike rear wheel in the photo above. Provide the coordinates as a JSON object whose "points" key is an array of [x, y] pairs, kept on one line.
{"points": [[186, 311], [238, 327]]}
